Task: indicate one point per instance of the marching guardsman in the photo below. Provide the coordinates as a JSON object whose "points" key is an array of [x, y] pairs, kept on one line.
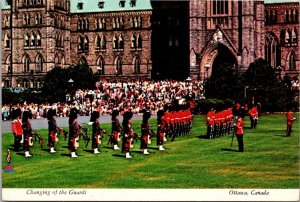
{"points": [[145, 138], [239, 133], [128, 134], [253, 114], [161, 130], [17, 128], [73, 132], [52, 128], [27, 131], [116, 129], [289, 122], [97, 132]]}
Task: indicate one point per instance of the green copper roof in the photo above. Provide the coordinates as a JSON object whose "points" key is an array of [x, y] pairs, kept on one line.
{"points": [[92, 6], [4, 4], [280, 1]]}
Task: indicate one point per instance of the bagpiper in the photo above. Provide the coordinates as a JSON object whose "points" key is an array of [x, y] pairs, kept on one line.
{"points": [[161, 130], [52, 130], [128, 135], [116, 129], [17, 128], [27, 131], [145, 129], [97, 132], [74, 130]]}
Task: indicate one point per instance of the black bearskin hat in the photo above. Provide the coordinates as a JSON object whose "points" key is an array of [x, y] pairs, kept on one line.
{"points": [[127, 115], [73, 115], [114, 114], [94, 116], [160, 113], [26, 115], [51, 113], [146, 115], [16, 113]]}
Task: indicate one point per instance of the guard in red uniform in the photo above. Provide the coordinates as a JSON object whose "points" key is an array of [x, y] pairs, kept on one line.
{"points": [[239, 133], [289, 123], [17, 128], [145, 132], [210, 119], [253, 114], [27, 130], [116, 129]]}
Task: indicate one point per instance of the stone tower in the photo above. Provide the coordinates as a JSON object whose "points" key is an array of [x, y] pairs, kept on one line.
{"points": [[229, 31]]}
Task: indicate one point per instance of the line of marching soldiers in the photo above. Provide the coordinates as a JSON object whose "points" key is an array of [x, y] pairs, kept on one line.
{"points": [[219, 123], [171, 122]]}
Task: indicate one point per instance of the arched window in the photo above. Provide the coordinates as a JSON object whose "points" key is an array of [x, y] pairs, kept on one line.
{"points": [[103, 23], [139, 22], [87, 24], [96, 24], [100, 67], [7, 41], [137, 65], [294, 36], [118, 23], [133, 41], [25, 83], [139, 42], [8, 63], [121, 23], [32, 40], [131, 22], [39, 63], [80, 43], [56, 61], [115, 42], [220, 7], [82, 61], [272, 51], [282, 37], [121, 42], [274, 16], [97, 42], [113, 23], [287, 36], [292, 61], [103, 42], [26, 40], [79, 24], [135, 22], [118, 65], [86, 43], [38, 39], [286, 13], [26, 63]]}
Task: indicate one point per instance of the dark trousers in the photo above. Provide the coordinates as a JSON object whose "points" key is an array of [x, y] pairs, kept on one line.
{"points": [[240, 142], [17, 143], [253, 122], [288, 130]]}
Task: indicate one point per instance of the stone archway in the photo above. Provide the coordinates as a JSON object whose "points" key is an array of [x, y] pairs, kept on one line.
{"points": [[216, 54]]}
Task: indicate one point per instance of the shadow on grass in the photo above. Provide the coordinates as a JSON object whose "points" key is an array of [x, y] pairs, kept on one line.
{"points": [[154, 148], [89, 150], [20, 153], [231, 150], [46, 150], [281, 135], [119, 155], [107, 147], [137, 152], [68, 155], [201, 136]]}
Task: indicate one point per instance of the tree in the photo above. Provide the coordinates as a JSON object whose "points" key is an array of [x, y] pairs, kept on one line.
{"points": [[224, 83], [56, 84], [267, 87]]}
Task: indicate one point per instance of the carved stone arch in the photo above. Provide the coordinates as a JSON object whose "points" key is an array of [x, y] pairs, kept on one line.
{"points": [[82, 61], [26, 62], [136, 63], [100, 65], [290, 62], [63, 61], [56, 60], [39, 60], [118, 65]]}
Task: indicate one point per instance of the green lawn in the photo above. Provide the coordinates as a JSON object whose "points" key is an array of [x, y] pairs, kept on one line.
{"points": [[270, 161]]}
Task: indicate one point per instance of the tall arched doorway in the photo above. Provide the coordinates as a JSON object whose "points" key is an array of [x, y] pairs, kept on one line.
{"points": [[224, 57]]}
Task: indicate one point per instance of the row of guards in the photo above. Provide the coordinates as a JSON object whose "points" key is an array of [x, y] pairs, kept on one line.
{"points": [[222, 123], [171, 122]]}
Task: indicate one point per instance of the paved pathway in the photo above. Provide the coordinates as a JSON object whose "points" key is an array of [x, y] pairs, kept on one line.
{"points": [[63, 122]]}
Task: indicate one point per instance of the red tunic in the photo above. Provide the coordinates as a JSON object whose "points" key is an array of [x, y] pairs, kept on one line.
{"points": [[17, 127], [239, 127]]}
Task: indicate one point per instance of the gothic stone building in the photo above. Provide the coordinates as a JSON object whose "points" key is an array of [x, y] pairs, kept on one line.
{"points": [[146, 39]]}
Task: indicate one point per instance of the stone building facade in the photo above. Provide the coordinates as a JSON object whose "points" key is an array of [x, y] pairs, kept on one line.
{"points": [[144, 38]]}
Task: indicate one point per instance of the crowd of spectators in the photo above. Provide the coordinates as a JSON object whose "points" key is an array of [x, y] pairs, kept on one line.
{"points": [[120, 94]]}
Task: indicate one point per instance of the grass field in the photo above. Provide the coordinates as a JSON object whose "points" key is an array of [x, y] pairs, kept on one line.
{"points": [[270, 160]]}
